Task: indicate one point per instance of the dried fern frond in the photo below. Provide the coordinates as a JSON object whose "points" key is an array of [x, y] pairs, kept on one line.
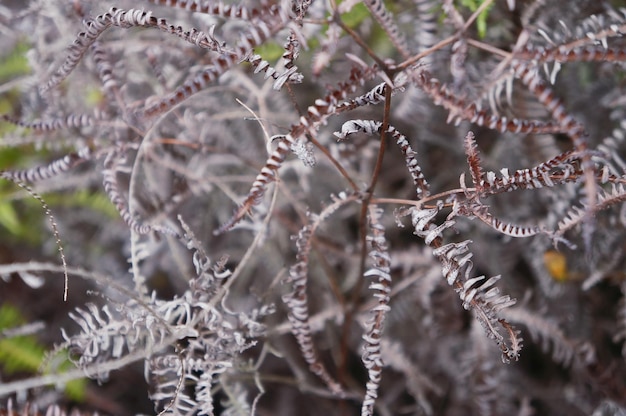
{"points": [[572, 128], [217, 8], [317, 115], [381, 270], [477, 293], [214, 337], [280, 78], [370, 127], [473, 161], [46, 126], [564, 350], [503, 227], [112, 164], [459, 110], [426, 28], [561, 169], [605, 199], [126, 19], [57, 167], [160, 100], [297, 299], [257, 33], [386, 21]]}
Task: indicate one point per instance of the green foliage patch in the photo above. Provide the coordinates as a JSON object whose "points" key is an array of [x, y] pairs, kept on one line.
{"points": [[26, 354]]}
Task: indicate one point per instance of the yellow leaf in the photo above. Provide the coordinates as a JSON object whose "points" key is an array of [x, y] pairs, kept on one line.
{"points": [[556, 264]]}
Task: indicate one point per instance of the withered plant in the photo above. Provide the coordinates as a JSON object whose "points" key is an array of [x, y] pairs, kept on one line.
{"points": [[404, 207]]}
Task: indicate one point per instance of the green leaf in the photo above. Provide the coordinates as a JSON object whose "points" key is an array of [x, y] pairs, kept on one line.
{"points": [[22, 353], [93, 96], [481, 20], [22, 219], [76, 389], [10, 317], [10, 156], [25, 353], [355, 16], [15, 63], [9, 218], [8, 102], [269, 51]]}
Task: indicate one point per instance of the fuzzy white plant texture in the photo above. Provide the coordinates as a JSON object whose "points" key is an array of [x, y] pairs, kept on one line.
{"points": [[261, 206]]}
